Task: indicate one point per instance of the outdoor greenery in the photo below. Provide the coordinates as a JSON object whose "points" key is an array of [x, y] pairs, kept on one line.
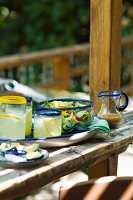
{"points": [[36, 25], [127, 19]]}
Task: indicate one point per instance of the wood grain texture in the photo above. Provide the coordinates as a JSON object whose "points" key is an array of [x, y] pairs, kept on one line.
{"points": [[107, 167], [98, 170], [83, 49], [112, 165], [113, 188], [61, 72], [115, 45], [17, 61], [105, 47], [14, 183], [27, 58]]}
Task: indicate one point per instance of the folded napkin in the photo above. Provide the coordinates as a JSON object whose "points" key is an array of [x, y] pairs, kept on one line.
{"points": [[97, 124]]}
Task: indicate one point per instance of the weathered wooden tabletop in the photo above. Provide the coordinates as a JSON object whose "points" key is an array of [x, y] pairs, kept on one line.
{"points": [[62, 161]]}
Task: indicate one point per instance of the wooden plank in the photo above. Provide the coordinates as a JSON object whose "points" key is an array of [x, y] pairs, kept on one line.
{"points": [[128, 90], [127, 42], [98, 170], [78, 71], [112, 165], [27, 58], [127, 61], [61, 72], [105, 47], [62, 162], [107, 167], [28, 180], [113, 188], [31, 179], [115, 45]]}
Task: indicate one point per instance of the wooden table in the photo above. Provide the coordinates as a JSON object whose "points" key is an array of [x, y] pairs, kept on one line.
{"points": [[17, 182]]}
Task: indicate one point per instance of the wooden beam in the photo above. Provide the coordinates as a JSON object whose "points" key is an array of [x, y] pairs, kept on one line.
{"points": [[61, 71], [105, 47], [9, 62], [98, 170], [35, 57]]}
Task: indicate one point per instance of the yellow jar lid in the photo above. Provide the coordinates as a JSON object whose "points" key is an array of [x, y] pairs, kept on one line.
{"points": [[12, 100]]}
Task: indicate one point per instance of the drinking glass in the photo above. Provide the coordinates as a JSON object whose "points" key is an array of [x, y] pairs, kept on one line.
{"points": [[12, 117], [28, 116], [47, 123]]}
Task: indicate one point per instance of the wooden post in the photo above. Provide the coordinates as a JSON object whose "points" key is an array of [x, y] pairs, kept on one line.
{"points": [[106, 167], [105, 58], [105, 47], [61, 72], [98, 170]]}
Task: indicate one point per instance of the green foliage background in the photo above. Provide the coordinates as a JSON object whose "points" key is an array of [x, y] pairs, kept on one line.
{"points": [[32, 25], [42, 24]]}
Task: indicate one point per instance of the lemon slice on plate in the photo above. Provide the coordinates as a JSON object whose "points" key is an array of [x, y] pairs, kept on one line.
{"points": [[52, 127], [3, 115]]}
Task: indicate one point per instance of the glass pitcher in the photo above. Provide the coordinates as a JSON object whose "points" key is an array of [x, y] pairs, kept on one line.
{"points": [[112, 103]]}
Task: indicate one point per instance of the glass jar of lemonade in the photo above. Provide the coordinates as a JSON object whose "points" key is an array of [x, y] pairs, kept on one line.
{"points": [[47, 123], [12, 117], [28, 116]]}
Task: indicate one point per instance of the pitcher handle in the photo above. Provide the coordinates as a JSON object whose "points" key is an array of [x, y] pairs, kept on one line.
{"points": [[123, 107]]}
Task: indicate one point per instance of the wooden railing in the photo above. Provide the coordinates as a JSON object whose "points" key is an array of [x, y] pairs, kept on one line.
{"points": [[57, 68]]}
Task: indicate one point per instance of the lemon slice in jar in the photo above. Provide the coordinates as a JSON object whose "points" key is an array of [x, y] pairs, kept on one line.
{"points": [[2, 115], [52, 127]]}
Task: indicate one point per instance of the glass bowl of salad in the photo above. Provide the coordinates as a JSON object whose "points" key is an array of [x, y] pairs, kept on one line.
{"points": [[77, 114]]}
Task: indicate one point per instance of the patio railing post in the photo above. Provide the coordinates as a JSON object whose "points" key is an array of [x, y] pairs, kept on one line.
{"points": [[105, 61], [105, 46]]}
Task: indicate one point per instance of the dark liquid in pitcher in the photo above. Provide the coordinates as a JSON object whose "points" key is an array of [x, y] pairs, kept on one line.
{"points": [[113, 119]]}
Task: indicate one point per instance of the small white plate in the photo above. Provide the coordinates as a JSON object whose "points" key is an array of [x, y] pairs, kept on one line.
{"points": [[29, 163]]}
